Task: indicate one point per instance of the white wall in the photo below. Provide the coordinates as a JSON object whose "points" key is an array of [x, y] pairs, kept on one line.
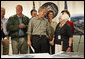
{"points": [[10, 7], [76, 7]]}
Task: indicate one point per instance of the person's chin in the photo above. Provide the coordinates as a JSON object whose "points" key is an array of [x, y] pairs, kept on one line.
{"points": [[17, 13], [42, 16]]}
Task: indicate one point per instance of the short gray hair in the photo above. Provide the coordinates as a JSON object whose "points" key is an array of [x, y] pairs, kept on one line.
{"points": [[41, 8]]}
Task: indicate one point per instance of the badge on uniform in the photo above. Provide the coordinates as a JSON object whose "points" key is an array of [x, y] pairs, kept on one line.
{"points": [[59, 36]]}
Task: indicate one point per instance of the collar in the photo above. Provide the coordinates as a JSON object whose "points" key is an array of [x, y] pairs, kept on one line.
{"points": [[40, 19], [3, 19], [19, 16]]}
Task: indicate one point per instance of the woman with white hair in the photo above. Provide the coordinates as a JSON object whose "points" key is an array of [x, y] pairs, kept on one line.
{"points": [[63, 36]]}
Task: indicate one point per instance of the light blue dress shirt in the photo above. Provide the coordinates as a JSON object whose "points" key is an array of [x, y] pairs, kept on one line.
{"points": [[21, 32], [4, 22]]}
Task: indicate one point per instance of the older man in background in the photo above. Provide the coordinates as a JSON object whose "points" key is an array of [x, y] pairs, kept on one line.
{"points": [[33, 13], [4, 34]]}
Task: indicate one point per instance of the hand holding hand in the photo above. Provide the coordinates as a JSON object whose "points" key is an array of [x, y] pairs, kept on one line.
{"points": [[51, 42], [22, 26], [68, 49]]}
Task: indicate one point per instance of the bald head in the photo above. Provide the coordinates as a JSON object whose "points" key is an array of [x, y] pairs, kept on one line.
{"points": [[2, 11]]}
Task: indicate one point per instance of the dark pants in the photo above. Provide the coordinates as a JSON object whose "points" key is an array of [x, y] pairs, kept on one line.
{"points": [[40, 44], [53, 49]]}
